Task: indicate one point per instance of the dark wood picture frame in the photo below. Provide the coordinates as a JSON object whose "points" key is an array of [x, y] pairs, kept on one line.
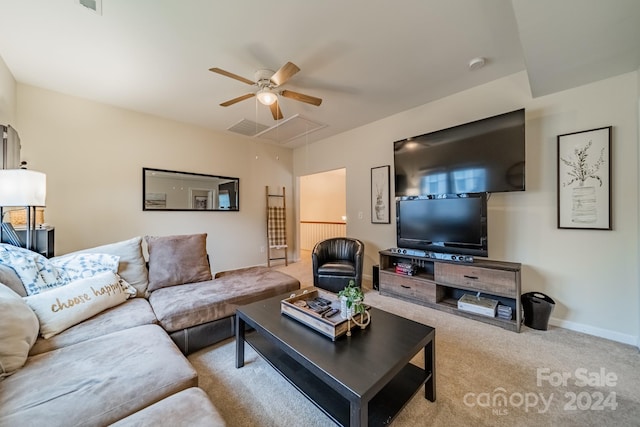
{"points": [[160, 191], [380, 195], [584, 179]]}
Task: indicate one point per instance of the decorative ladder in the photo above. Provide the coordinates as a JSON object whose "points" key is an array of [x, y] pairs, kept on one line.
{"points": [[276, 227]]}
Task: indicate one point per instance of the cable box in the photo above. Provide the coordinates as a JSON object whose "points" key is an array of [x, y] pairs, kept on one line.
{"points": [[478, 305]]}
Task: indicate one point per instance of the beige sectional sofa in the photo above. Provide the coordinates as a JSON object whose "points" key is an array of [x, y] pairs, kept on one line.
{"points": [[126, 365]]}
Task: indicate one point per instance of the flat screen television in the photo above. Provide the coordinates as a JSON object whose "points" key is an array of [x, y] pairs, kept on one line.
{"points": [[453, 225], [487, 155]]}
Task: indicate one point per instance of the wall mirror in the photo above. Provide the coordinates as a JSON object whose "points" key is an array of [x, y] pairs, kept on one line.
{"points": [[165, 190]]}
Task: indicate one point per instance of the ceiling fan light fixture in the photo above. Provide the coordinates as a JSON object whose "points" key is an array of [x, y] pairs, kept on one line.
{"points": [[266, 96]]}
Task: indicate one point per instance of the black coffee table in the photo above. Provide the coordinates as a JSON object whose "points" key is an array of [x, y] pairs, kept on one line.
{"points": [[364, 379]]}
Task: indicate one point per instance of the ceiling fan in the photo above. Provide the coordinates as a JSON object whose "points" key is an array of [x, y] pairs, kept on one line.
{"points": [[268, 83]]}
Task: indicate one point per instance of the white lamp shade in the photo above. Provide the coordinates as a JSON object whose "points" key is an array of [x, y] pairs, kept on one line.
{"points": [[22, 187]]}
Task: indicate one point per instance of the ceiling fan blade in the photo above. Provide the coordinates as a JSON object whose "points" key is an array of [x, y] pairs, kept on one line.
{"points": [[275, 111], [284, 73], [233, 76], [301, 97], [238, 99]]}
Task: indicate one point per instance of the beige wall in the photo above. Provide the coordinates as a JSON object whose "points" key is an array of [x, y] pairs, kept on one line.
{"points": [[93, 156], [323, 196], [7, 95], [322, 208], [592, 275]]}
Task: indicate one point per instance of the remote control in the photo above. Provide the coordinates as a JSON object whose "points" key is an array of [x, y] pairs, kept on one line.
{"points": [[323, 301], [313, 305], [331, 312]]}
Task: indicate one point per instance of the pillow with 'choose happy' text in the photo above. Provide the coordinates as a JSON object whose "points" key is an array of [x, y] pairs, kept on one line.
{"points": [[65, 306]]}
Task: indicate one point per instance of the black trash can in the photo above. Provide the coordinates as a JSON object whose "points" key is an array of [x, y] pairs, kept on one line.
{"points": [[537, 309]]}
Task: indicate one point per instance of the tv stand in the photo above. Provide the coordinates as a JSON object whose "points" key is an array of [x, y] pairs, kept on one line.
{"points": [[440, 283]]}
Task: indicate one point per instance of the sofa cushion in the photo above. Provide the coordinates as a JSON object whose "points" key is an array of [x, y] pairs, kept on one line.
{"points": [[9, 277], [134, 312], [180, 307], [132, 266], [65, 306], [175, 260], [96, 382], [190, 407], [337, 268], [18, 331]]}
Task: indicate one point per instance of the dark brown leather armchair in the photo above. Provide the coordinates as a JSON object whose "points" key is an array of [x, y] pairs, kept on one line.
{"points": [[336, 261]]}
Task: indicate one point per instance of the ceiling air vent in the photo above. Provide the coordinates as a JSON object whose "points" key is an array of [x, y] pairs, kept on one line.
{"points": [[247, 127], [289, 129], [93, 5]]}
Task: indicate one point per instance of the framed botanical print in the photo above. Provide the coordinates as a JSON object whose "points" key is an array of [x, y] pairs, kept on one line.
{"points": [[584, 179], [380, 197]]}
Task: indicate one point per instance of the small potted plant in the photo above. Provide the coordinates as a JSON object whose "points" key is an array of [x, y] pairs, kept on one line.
{"points": [[351, 300]]}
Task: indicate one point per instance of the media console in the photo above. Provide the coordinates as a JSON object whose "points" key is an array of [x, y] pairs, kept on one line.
{"points": [[439, 282]]}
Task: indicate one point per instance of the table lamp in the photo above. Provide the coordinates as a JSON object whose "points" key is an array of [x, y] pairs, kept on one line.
{"points": [[23, 188]]}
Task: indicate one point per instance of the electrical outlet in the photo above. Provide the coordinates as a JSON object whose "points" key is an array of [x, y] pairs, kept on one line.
{"points": [[360, 215], [262, 249]]}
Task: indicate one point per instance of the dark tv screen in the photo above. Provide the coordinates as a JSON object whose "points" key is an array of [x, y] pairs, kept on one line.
{"points": [[450, 225], [487, 155]]}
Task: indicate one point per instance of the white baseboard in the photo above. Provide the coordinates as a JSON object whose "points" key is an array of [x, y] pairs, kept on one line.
{"points": [[598, 332]]}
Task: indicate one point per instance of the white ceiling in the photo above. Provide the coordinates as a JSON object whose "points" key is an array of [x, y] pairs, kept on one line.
{"points": [[367, 59]]}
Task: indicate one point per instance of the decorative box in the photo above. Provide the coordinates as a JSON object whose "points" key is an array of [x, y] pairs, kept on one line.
{"points": [[332, 327]]}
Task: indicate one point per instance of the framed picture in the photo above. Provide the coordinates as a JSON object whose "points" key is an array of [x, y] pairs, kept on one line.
{"points": [[200, 202], [584, 179], [155, 200], [380, 198]]}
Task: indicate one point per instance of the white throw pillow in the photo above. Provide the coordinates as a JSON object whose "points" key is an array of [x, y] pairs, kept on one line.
{"points": [[35, 271], [18, 331], [65, 306], [133, 267], [39, 273], [83, 266]]}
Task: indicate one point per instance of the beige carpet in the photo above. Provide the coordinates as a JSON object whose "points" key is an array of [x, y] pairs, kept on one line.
{"points": [[485, 376]]}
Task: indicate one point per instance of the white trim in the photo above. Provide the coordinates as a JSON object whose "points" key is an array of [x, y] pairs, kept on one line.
{"points": [[598, 332]]}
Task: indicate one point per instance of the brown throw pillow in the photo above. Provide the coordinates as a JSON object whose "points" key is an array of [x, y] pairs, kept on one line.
{"points": [[175, 260]]}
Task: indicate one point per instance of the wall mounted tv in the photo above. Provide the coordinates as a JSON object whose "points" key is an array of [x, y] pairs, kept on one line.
{"points": [[487, 155], [451, 224]]}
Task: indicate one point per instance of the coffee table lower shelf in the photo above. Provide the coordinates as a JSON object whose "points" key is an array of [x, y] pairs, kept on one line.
{"points": [[382, 408]]}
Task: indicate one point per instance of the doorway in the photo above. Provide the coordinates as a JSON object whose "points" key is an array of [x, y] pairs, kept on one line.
{"points": [[323, 208]]}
